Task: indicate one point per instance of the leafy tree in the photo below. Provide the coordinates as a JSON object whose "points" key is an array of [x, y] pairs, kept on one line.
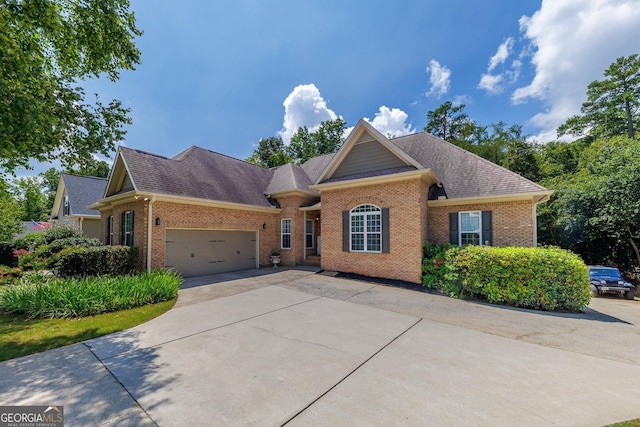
{"points": [[521, 158], [27, 193], [90, 167], [10, 216], [46, 46], [269, 153], [600, 206], [327, 139], [612, 105]]}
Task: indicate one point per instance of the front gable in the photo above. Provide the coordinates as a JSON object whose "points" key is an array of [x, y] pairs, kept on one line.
{"points": [[120, 180], [366, 151]]}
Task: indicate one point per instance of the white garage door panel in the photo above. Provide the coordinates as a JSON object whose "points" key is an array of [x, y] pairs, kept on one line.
{"points": [[200, 252]]}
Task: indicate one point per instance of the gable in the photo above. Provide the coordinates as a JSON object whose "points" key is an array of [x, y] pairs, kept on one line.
{"points": [[367, 151], [119, 179], [367, 155]]}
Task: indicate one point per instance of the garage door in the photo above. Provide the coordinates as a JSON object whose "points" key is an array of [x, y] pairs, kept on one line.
{"points": [[200, 252]]}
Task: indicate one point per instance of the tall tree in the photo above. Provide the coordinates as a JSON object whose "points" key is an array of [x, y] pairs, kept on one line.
{"points": [[327, 139], [612, 105], [10, 216], [450, 123], [27, 192], [46, 46], [269, 153], [90, 167]]}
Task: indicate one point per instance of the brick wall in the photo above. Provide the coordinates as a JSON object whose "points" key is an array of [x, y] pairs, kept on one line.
{"points": [[407, 218], [139, 227], [512, 222], [174, 215], [290, 206]]}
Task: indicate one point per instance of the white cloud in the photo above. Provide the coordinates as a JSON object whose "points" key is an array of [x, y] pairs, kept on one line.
{"points": [[439, 79], [391, 122], [491, 83], [573, 42], [494, 83], [304, 107], [503, 52]]}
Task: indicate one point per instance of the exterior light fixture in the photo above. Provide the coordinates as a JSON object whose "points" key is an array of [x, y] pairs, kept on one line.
{"points": [[157, 220]]}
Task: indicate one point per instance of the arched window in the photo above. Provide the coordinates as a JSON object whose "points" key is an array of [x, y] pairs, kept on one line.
{"points": [[366, 229]]}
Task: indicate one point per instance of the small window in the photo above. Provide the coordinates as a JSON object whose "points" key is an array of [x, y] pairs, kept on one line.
{"points": [[285, 227], [65, 209], [366, 229], [309, 233], [109, 237], [470, 228], [126, 228]]}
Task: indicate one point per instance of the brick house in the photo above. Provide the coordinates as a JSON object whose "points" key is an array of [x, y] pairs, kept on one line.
{"points": [[366, 209]]}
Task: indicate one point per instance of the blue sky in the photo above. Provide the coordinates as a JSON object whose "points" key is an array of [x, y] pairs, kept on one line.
{"points": [[222, 75]]}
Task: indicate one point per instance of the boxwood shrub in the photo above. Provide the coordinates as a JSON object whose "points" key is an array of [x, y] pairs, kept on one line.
{"points": [[538, 278], [95, 261]]}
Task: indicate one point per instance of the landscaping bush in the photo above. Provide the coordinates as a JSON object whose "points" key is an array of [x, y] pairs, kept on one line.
{"points": [[539, 278], [33, 241], [6, 255], [49, 250], [433, 264], [95, 261], [39, 296]]}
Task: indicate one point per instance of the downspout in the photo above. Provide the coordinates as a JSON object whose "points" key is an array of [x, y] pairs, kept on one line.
{"points": [[535, 219], [304, 238], [80, 224], [150, 231]]}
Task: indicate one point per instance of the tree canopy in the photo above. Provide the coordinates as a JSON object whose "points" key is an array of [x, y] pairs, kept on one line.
{"points": [[46, 46], [304, 145], [612, 105]]}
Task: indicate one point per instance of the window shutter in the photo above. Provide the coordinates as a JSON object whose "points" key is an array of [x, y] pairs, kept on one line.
{"points": [[345, 231], [453, 229], [122, 225], [487, 228], [131, 238], [385, 231]]}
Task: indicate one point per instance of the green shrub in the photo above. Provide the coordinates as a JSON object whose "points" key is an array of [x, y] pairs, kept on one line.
{"points": [[6, 254], [95, 261], [30, 242], [433, 264], [539, 278], [39, 296], [48, 250]]}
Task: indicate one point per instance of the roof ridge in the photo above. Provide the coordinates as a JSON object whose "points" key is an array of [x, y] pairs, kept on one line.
{"points": [[216, 153], [146, 152], [84, 176]]}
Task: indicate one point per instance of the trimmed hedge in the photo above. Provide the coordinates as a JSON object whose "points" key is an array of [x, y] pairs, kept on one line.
{"points": [[96, 261], [49, 250], [538, 278]]}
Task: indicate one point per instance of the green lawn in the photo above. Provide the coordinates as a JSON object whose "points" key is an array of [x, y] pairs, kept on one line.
{"points": [[19, 337], [631, 423]]}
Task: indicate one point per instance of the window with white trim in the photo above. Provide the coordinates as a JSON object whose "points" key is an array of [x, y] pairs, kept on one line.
{"points": [[366, 229], [285, 234], [309, 233], [66, 210], [470, 228]]}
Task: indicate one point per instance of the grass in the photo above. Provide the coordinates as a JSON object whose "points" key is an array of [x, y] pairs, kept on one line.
{"points": [[630, 423], [20, 337]]}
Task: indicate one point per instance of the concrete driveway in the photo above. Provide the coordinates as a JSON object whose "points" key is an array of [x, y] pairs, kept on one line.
{"points": [[274, 347]]}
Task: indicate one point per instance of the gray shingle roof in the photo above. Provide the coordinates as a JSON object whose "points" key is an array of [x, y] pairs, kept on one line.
{"points": [[204, 174], [199, 173], [463, 174], [288, 177], [83, 191]]}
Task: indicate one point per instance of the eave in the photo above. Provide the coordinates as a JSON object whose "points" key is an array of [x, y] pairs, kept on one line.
{"points": [[135, 195], [535, 196], [425, 175]]}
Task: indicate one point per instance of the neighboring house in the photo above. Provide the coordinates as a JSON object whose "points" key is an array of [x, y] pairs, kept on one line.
{"points": [[366, 209], [73, 196]]}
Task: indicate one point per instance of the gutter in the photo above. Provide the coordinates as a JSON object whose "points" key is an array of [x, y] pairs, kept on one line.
{"points": [[534, 217], [149, 231]]}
